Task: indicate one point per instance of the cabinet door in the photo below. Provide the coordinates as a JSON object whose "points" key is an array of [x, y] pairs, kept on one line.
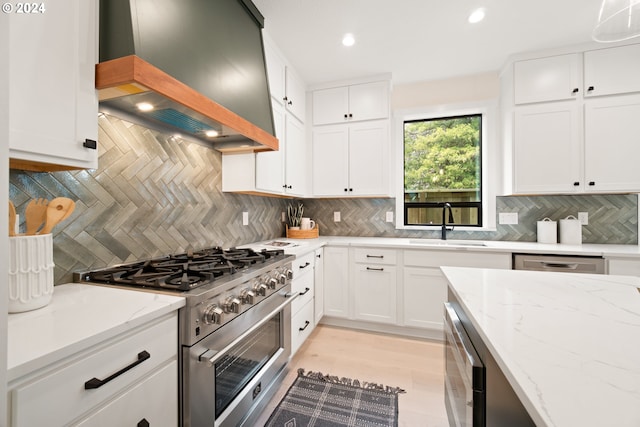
{"points": [[330, 161], [612, 71], [154, 400], [369, 101], [330, 105], [547, 148], [275, 73], [296, 95], [296, 158], [374, 293], [368, 158], [425, 292], [547, 79], [270, 165], [336, 282], [318, 284], [53, 101], [612, 145]]}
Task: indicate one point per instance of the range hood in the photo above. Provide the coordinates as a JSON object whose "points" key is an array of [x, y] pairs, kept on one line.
{"points": [[197, 65]]}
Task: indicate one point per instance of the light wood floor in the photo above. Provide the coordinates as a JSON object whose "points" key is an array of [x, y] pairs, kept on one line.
{"points": [[412, 364]]}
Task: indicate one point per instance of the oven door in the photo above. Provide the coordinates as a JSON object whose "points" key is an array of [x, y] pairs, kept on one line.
{"points": [[464, 381], [233, 371]]}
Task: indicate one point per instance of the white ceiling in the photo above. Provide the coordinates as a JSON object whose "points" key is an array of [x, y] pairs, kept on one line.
{"points": [[419, 40]]}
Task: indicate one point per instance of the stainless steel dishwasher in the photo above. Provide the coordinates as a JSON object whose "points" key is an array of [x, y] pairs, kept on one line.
{"points": [[562, 263]]}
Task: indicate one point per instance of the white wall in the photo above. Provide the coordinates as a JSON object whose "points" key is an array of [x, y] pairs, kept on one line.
{"points": [[477, 87]]}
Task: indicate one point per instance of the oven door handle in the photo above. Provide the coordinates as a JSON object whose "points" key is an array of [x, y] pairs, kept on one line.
{"points": [[212, 356]]}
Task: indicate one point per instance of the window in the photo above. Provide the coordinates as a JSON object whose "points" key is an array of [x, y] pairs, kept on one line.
{"points": [[443, 164]]}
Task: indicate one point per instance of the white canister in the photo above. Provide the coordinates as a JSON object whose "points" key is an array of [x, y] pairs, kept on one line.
{"points": [[547, 231], [30, 272], [571, 231]]}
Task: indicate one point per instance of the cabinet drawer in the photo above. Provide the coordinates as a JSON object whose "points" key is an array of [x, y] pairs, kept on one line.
{"points": [[304, 287], [301, 327], [426, 258], [155, 399], [375, 256], [303, 265], [60, 397]]}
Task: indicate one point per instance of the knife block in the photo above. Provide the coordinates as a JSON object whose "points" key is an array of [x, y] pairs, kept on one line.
{"points": [[30, 272]]}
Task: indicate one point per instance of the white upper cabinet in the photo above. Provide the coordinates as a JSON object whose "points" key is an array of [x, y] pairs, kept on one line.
{"points": [[612, 71], [286, 88], [366, 101], [548, 149], [548, 79], [53, 101], [351, 160], [612, 145], [582, 139]]}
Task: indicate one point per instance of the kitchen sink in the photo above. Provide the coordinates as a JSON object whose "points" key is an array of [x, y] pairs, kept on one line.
{"points": [[437, 242]]}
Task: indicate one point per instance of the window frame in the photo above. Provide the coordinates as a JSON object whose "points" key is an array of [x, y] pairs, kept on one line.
{"points": [[406, 206], [489, 156]]}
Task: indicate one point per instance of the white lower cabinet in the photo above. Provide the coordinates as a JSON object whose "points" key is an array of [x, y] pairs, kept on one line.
{"points": [[399, 291], [302, 308], [623, 266], [94, 388], [424, 292], [336, 281], [318, 284]]}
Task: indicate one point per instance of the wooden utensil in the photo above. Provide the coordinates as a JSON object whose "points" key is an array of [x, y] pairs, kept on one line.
{"points": [[12, 219], [58, 210], [35, 214]]}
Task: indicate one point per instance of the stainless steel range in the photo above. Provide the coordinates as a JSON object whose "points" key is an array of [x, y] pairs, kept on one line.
{"points": [[235, 329]]}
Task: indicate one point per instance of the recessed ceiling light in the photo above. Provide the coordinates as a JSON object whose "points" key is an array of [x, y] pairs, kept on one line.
{"points": [[211, 133], [144, 106], [477, 15], [348, 39]]}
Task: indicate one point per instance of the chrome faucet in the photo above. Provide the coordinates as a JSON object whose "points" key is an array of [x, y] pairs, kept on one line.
{"points": [[444, 222]]}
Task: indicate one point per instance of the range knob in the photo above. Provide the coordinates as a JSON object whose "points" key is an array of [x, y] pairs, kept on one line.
{"points": [[272, 283], [289, 273], [232, 305], [213, 314], [247, 296], [282, 278], [260, 289]]}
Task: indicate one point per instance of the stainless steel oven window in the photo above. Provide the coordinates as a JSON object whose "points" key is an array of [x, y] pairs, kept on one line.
{"points": [[239, 365]]}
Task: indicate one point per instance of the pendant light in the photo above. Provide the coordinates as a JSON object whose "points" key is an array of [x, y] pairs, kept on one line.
{"points": [[618, 20]]}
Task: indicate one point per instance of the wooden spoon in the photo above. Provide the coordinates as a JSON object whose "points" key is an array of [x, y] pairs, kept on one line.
{"points": [[35, 214], [12, 219], [58, 210]]}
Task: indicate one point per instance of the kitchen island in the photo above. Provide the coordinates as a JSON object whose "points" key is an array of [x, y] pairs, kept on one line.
{"points": [[568, 344]]}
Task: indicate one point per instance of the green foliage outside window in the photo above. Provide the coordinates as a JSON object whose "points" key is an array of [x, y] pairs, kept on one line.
{"points": [[442, 154]]}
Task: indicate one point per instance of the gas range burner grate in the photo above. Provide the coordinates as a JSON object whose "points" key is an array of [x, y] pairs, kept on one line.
{"points": [[183, 272]]}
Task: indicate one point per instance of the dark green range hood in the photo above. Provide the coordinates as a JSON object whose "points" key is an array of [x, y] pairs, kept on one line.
{"points": [[199, 63]]}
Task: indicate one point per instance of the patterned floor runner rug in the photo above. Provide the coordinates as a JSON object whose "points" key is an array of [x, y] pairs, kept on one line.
{"points": [[328, 401]]}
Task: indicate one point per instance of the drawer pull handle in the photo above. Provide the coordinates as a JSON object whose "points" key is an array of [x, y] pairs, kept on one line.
{"points": [[143, 423], [375, 269], [306, 323], [306, 264], [305, 291], [375, 256], [96, 383]]}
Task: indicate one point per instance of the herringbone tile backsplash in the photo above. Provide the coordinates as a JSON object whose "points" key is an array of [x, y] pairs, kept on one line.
{"points": [[154, 195]]}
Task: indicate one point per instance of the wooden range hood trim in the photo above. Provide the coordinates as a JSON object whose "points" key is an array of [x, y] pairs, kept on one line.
{"points": [[134, 70]]}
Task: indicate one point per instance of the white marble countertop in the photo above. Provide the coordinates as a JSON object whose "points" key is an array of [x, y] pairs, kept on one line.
{"points": [[569, 344], [78, 317]]}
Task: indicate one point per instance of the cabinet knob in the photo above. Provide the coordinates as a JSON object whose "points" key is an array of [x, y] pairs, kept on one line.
{"points": [[575, 184], [592, 183], [90, 143], [143, 423], [289, 187], [351, 189], [285, 99], [575, 90], [346, 189], [350, 115], [290, 103], [590, 88], [346, 116]]}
